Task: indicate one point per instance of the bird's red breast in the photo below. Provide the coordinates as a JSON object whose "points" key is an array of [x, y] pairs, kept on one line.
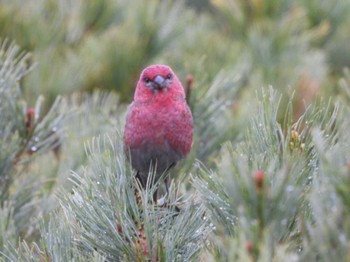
{"points": [[159, 122]]}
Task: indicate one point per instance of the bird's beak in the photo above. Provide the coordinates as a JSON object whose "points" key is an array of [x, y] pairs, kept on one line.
{"points": [[159, 82]]}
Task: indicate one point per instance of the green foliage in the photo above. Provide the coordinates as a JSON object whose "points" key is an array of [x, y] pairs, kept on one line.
{"points": [[268, 175], [276, 208], [23, 132], [210, 106], [84, 45], [7, 229], [104, 214]]}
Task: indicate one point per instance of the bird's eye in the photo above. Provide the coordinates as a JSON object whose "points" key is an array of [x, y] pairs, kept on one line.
{"points": [[147, 80], [169, 76]]}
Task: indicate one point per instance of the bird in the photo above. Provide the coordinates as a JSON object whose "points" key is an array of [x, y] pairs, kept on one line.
{"points": [[158, 130]]}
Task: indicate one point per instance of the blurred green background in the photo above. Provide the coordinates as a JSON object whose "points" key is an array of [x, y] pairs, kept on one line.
{"points": [[104, 44]]}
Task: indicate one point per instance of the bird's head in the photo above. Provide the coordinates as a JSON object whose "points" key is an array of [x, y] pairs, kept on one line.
{"points": [[157, 79]]}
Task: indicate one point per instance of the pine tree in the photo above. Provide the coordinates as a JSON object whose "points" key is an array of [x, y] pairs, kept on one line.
{"points": [[268, 175], [25, 133], [271, 194]]}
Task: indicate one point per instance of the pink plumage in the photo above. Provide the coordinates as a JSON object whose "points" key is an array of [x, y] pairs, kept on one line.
{"points": [[158, 130]]}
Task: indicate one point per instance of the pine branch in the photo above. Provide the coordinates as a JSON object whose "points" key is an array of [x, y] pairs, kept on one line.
{"points": [[13, 66], [329, 231], [7, 226], [104, 217], [212, 107], [25, 133], [261, 185]]}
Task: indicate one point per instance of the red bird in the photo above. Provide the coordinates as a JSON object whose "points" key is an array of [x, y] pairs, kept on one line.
{"points": [[158, 130]]}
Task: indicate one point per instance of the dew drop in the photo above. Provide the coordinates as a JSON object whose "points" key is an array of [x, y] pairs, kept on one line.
{"points": [[33, 149], [54, 129], [212, 226]]}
